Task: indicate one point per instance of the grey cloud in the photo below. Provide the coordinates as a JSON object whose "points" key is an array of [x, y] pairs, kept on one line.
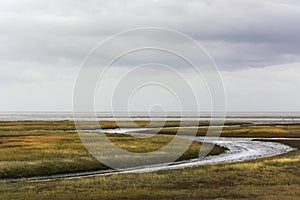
{"points": [[54, 31], [46, 41]]}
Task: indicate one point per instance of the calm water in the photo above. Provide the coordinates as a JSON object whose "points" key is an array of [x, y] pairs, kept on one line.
{"points": [[281, 117]]}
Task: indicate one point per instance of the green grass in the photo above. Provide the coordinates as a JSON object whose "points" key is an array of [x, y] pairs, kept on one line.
{"points": [[268, 178], [292, 130], [267, 131], [69, 125], [48, 148], [276, 177]]}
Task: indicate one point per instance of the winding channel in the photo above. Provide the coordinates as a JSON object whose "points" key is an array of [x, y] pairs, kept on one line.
{"points": [[239, 149]]}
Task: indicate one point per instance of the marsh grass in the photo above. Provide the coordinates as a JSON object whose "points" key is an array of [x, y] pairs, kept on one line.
{"points": [[256, 179], [69, 125], [265, 131], [47, 148], [275, 177]]}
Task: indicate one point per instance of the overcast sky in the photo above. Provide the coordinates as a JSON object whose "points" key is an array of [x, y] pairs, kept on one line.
{"points": [[255, 44]]}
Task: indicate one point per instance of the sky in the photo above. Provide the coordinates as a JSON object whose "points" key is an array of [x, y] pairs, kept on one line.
{"points": [[254, 43]]}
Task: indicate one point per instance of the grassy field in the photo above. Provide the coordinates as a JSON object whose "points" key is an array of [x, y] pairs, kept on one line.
{"points": [[241, 130], [246, 130], [268, 178], [69, 125], [276, 177], [47, 148]]}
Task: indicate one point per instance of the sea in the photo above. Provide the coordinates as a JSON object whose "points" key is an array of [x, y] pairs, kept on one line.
{"points": [[274, 117]]}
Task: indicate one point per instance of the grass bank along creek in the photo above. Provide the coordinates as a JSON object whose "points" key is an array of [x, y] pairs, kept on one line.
{"points": [[41, 148], [53, 149]]}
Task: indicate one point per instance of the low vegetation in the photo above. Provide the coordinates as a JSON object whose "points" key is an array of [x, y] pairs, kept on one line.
{"points": [[276, 177], [246, 130], [47, 148], [267, 178]]}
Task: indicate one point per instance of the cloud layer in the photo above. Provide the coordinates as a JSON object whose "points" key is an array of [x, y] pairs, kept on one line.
{"points": [[255, 44]]}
